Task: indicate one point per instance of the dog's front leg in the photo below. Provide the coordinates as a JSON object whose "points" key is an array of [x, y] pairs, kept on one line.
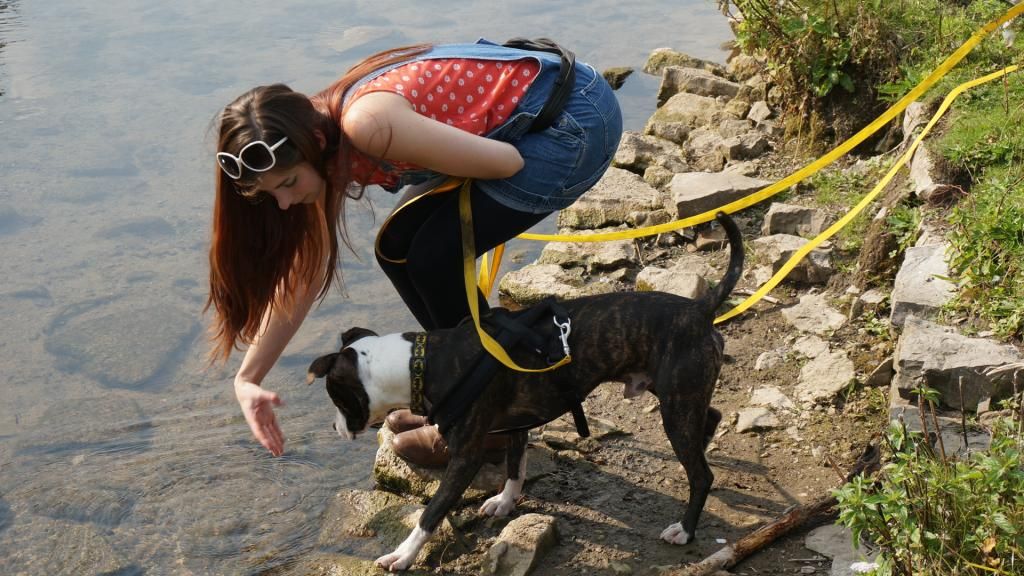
{"points": [[457, 477], [504, 503]]}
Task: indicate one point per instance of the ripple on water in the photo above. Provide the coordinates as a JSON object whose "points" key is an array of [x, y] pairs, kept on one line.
{"points": [[230, 505], [69, 467]]}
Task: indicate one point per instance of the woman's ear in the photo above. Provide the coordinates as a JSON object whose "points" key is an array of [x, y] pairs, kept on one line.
{"points": [[320, 138]]}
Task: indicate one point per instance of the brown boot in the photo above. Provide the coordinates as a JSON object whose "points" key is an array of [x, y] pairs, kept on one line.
{"points": [[401, 420], [421, 446], [425, 447]]}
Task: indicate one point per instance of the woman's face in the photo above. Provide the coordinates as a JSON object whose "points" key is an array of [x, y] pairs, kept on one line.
{"points": [[299, 184]]}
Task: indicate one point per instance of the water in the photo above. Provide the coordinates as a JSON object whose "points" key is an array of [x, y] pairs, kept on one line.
{"points": [[121, 451]]}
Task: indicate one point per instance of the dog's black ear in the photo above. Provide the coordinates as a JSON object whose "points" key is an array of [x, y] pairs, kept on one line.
{"points": [[320, 367], [352, 334]]}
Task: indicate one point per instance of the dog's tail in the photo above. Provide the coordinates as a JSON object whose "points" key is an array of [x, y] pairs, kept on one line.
{"points": [[719, 293]]}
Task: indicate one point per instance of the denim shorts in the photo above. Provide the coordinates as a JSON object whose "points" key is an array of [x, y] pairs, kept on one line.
{"points": [[566, 159]]}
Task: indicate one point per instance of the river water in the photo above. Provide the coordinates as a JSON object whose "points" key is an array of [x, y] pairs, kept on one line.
{"points": [[121, 450]]}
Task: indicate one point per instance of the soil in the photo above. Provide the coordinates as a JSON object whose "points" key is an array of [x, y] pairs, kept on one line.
{"points": [[612, 497]]}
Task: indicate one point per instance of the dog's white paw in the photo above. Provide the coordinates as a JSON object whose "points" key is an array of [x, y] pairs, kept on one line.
{"points": [[395, 561], [675, 534], [500, 505]]}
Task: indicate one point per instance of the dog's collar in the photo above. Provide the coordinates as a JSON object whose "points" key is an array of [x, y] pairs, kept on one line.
{"points": [[417, 372]]}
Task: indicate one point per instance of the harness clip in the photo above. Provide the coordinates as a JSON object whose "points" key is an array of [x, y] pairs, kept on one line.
{"points": [[564, 330]]}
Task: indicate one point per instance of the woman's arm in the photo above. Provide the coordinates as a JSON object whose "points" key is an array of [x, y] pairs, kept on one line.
{"points": [[257, 403], [383, 124]]}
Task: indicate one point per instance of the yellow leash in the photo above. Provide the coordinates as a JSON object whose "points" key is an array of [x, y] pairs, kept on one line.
{"points": [[810, 169], [488, 273], [469, 277], [849, 216]]}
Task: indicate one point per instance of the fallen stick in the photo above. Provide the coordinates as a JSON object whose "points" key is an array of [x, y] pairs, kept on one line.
{"points": [[736, 552], [766, 298]]}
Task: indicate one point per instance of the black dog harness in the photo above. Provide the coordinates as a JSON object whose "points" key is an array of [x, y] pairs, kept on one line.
{"points": [[509, 331]]}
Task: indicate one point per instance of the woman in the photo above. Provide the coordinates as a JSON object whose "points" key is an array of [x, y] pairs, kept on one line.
{"points": [[287, 163]]}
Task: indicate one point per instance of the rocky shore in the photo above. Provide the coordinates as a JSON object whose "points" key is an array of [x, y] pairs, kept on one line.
{"points": [[813, 372]]}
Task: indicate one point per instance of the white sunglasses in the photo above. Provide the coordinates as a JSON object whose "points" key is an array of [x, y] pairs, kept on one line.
{"points": [[257, 156]]}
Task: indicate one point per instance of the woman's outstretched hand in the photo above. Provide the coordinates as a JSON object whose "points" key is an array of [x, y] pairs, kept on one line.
{"points": [[257, 407]]}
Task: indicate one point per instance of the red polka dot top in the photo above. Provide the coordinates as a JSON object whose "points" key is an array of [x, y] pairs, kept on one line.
{"points": [[472, 95]]}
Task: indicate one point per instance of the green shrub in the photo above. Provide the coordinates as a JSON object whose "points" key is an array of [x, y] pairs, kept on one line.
{"points": [[987, 257], [932, 516]]}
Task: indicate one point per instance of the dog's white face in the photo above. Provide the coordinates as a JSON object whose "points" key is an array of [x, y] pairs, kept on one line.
{"points": [[365, 380]]}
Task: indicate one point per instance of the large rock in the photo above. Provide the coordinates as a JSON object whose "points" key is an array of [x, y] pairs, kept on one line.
{"points": [[677, 280], [745, 146], [930, 183], [793, 220], [682, 113], [676, 79], [698, 192], [637, 152], [706, 150], [392, 473], [359, 526], [942, 359], [611, 202], [535, 282], [661, 58], [815, 268], [742, 67], [521, 543], [594, 256], [920, 287]]}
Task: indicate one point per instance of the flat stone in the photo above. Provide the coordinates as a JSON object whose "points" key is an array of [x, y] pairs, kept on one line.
{"points": [[610, 202], [594, 256], [824, 377], [944, 359], [752, 419], [660, 58], [679, 282], [814, 268], [676, 79], [813, 314], [836, 542], [534, 282], [770, 359], [521, 543], [920, 288], [810, 346], [794, 220], [698, 192], [771, 397]]}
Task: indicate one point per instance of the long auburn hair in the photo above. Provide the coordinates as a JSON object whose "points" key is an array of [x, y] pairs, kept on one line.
{"points": [[260, 255]]}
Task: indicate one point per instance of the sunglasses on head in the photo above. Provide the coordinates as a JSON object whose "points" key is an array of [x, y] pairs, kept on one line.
{"points": [[257, 156]]}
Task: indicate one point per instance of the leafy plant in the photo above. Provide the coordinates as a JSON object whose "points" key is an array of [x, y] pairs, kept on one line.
{"points": [[934, 516], [904, 222]]}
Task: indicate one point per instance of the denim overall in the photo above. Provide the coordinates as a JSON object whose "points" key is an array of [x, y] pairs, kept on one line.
{"points": [[562, 161]]}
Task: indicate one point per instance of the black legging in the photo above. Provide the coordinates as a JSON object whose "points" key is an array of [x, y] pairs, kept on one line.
{"points": [[431, 280]]}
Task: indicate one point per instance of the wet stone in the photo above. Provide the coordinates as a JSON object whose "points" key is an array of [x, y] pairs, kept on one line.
{"points": [[120, 344], [73, 548]]}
